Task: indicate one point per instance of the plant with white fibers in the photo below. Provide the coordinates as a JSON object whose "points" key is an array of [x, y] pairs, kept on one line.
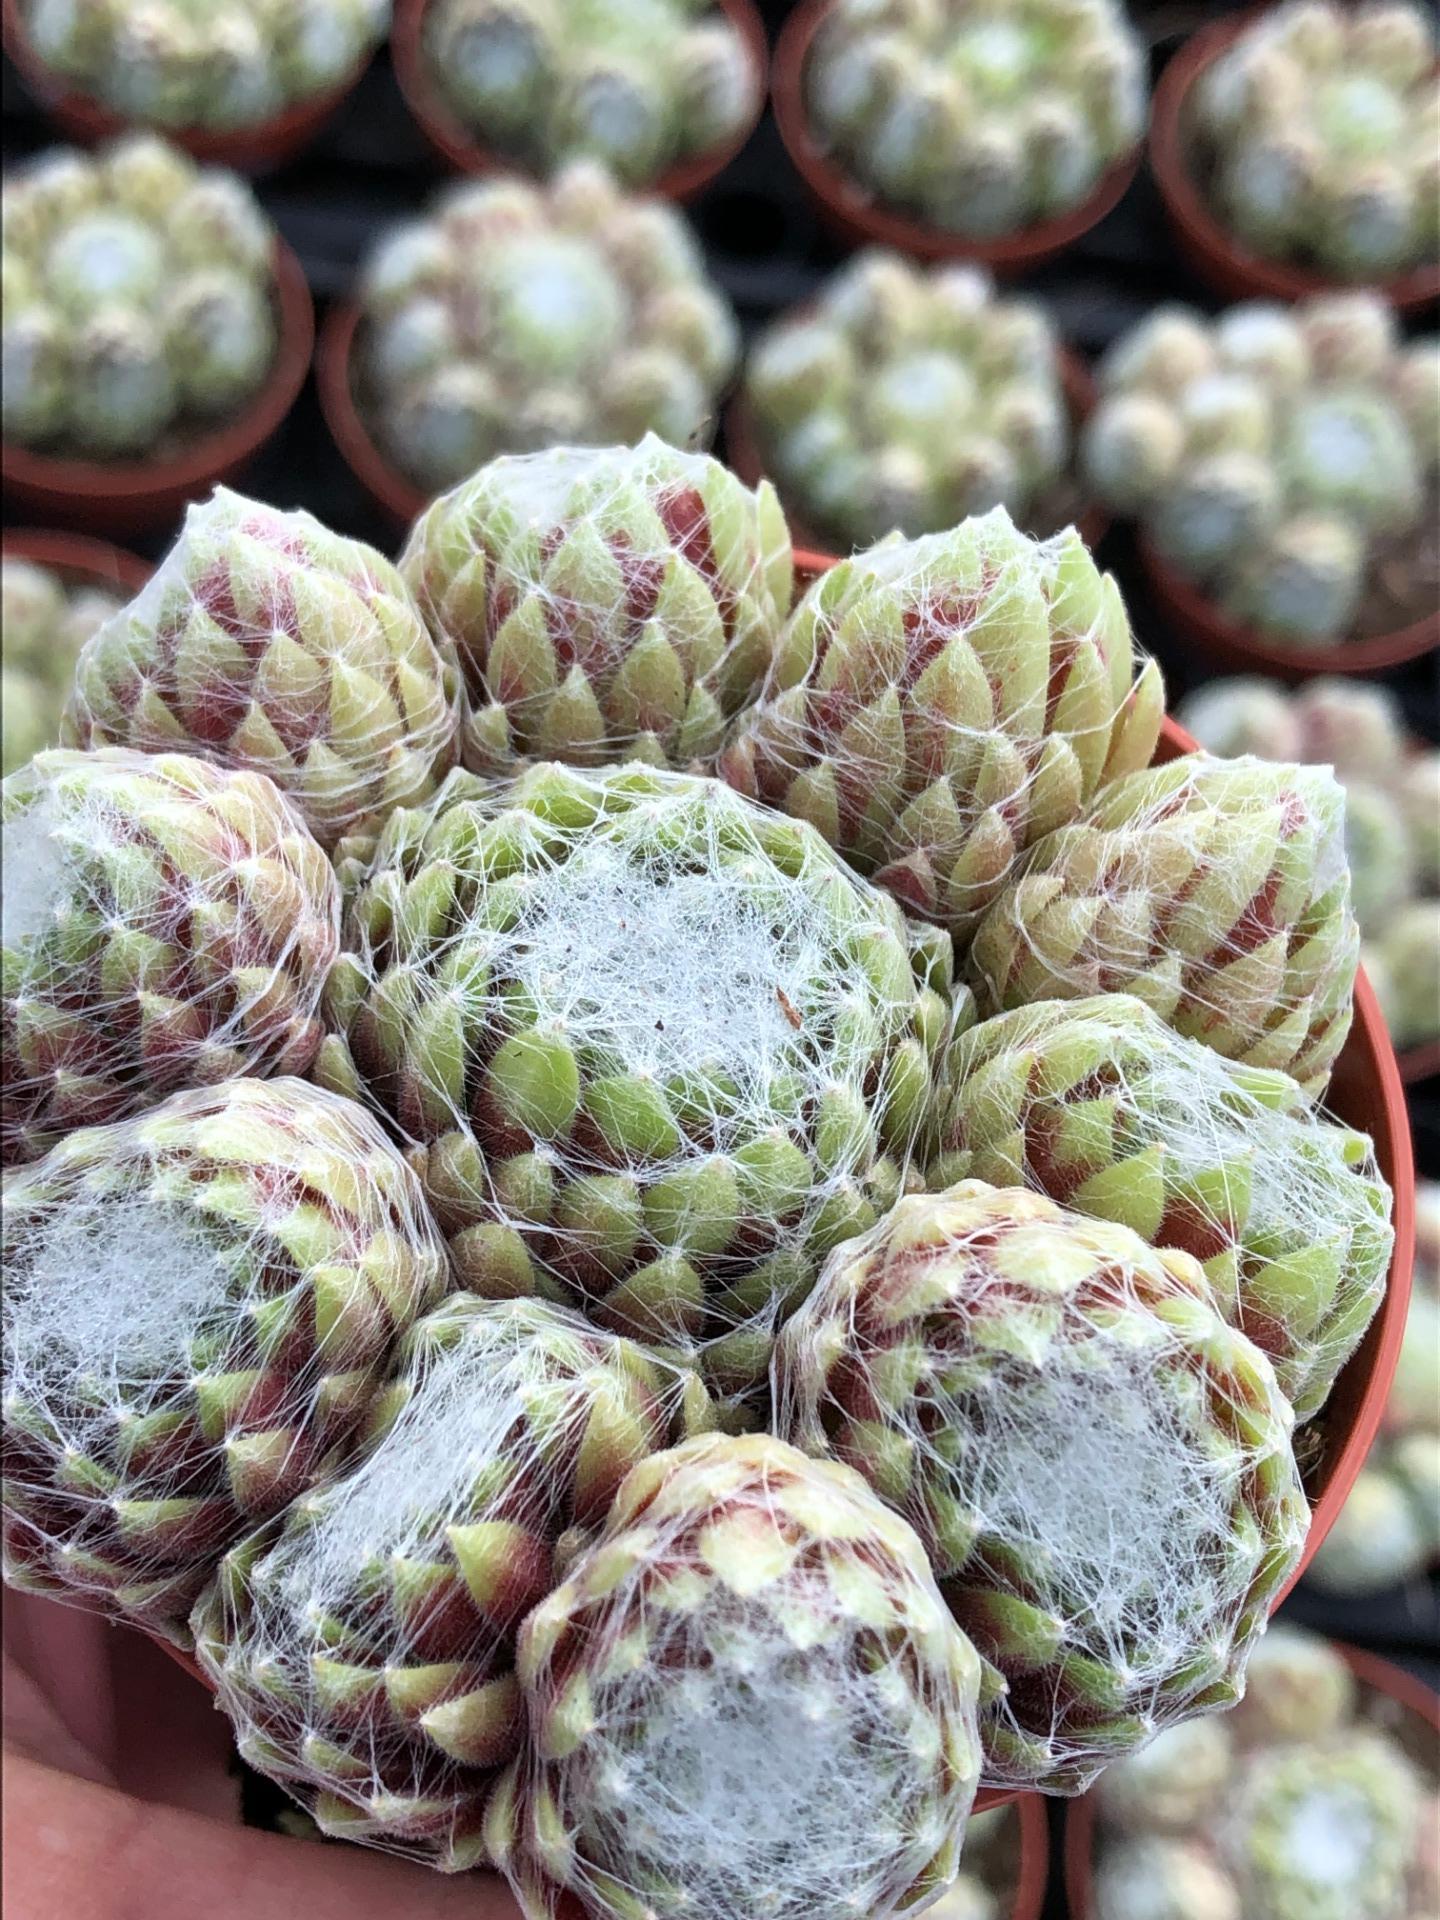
{"points": [[615, 604], [747, 1701], [938, 705], [1100, 1105], [1101, 1469], [910, 397], [656, 1050], [516, 316], [364, 1643], [163, 924], [198, 1303], [1216, 891], [264, 640]]}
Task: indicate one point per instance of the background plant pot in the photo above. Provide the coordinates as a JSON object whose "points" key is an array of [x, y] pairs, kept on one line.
{"points": [[1226, 643], [79, 560], [1034, 1873], [334, 358], [1220, 259], [129, 496], [746, 457], [255, 149], [853, 212], [1378, 1675], [452, 139], [1419, 1063]]}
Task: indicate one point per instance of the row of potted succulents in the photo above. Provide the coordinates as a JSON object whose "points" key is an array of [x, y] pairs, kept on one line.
{"points": [[1294, 151], [807, 1261]]}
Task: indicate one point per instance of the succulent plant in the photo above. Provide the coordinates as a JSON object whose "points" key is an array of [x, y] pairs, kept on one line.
{"points": [[1245, 715], [609, 605], [1098, 1104], [42, 629], [983, 118], [1176, 1784], [1280, 461], [1405, 962], [910, 398], [198, 1303], [204, 65], [1319, 1833], [165, 925], [264, 641], [1153, 1878], [1313, 136], [1099, 1467], [518, 317], [655, 1049], [1216, 891], [363, 1644], [1299, 1688], [937, 706], [133, 312], [747, 1701], [638, 85]]}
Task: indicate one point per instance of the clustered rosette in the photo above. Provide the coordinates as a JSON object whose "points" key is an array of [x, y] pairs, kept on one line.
{"points": [[639, 86], [43, 626], [938, 705], [621, 604], [747, 1696], [981, 116], [198, 1304], [1312, 1801], [595, 1120], [165, 925], [1101, 1469], [1282, 460], [516, 317], [1316, 137], [264, 641], [364, 1643], [139, 306], [905, 398], [205, 65]]}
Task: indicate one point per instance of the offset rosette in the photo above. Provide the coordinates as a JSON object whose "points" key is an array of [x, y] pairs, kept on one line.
{"points": [[1099, 1467], [745, 1700], [364, 1643], [199, 1303]]}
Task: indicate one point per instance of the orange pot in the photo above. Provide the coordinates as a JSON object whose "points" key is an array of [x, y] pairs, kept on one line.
{"points": [[746, 458], [456, 143], [385, 484], [255, 149], [80, 561], [1217, 256], [1240, 649], [1034, 1857], [850, 210], [129, 496], [1378, 1675]]}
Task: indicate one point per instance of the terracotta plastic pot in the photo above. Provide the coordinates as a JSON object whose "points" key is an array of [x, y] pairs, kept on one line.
{"points": [[255, 149], [456, 143], [1034, 1857], [746, 458], [1225, 643], [1378, 1675], [129, 496], [853, 212], [1217, 256], [383, 481], [79, 561]]}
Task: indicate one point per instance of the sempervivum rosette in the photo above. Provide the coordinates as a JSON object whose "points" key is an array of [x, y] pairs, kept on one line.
{"points": [[518, 317], [1100, 1105], [42, 629], [1100, 1468], [655, 1048], [265, 640], [1216, 891], [364, 1644], [165, 924], [746, 1702], [937, 705], [609, 605], [198, 1302]]}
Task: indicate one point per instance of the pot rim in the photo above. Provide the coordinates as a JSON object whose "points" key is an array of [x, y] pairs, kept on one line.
{"points": [[77, 556]]}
